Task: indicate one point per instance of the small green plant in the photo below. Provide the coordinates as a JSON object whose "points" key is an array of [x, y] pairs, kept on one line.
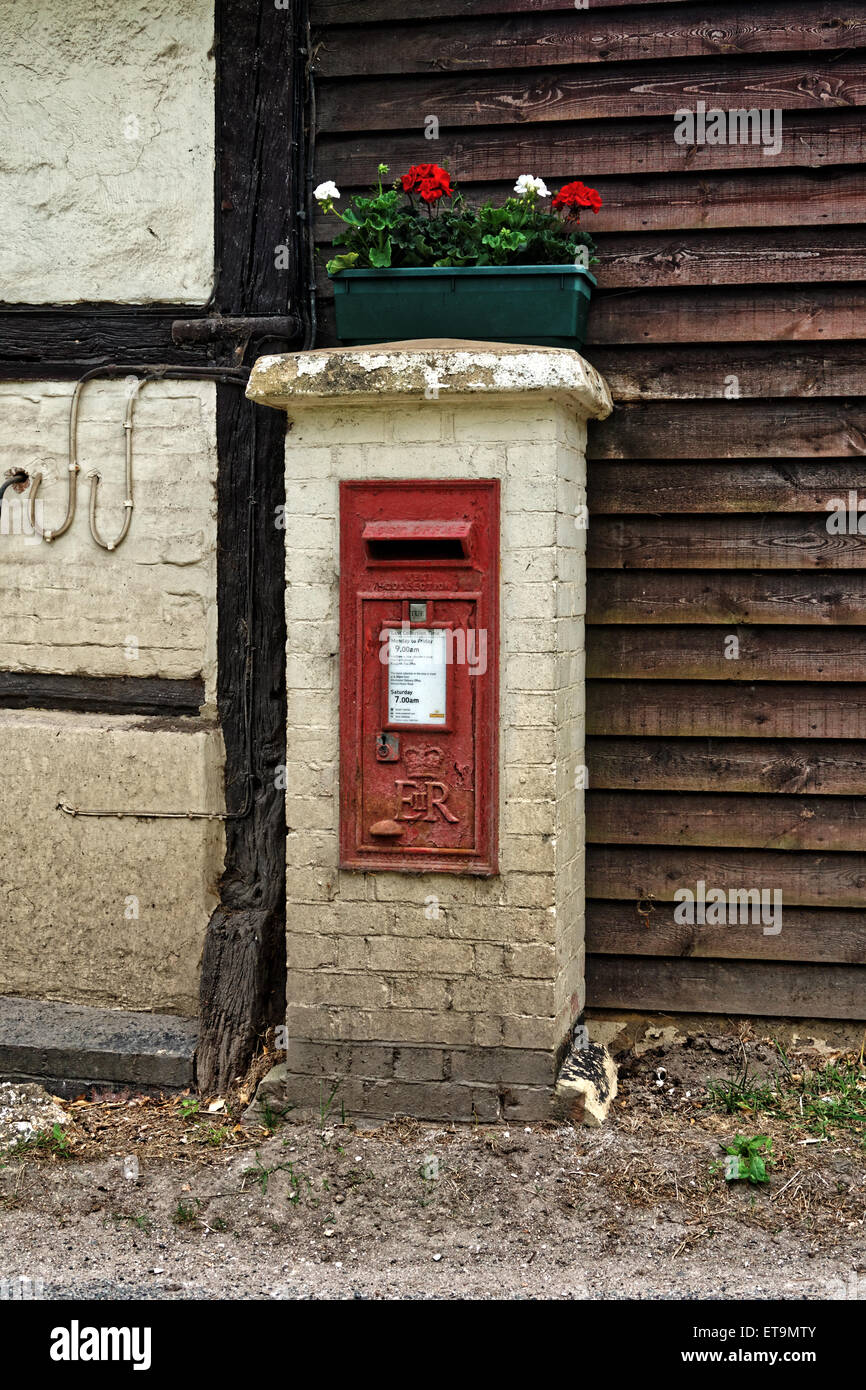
{"points": [[748, 1160], [54, 1141], [214, 1135], [189, 1107], [185, 1215], [263, 1175], [141, 1222], [822, 1102], [260, 1173], [742, 1093], [326, 1106], [273, 1116], [296, 1185]]}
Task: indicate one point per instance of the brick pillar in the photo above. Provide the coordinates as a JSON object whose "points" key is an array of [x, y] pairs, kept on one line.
{"points": [[439, 995]]}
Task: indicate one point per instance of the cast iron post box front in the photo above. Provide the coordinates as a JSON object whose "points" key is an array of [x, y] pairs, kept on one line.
{"points": [[419, 655]]}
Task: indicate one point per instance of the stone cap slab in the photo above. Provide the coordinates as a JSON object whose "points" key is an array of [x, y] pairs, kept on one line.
{"points": [[412, 370]]}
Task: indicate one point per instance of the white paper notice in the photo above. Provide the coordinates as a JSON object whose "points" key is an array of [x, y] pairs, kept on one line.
{"points": [[416, 676]]}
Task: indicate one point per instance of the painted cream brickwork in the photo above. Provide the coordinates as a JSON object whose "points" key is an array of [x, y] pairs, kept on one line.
{"points": [[478, 978], [70, 607]]}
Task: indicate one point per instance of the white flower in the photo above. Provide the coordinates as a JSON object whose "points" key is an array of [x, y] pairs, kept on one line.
{"points": [[527, 184], [326, 192]]}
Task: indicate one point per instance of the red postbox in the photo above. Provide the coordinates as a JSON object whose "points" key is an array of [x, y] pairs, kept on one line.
{"points": [[419, 656]]}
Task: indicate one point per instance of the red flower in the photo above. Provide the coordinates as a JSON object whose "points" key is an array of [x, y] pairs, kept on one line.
{"points": [[430, 191], [429, 180], [576, 195]]}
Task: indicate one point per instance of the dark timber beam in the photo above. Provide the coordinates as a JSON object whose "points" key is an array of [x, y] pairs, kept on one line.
{"points": [[54, 341], [260, 67], [101, 694], [64, 342]]}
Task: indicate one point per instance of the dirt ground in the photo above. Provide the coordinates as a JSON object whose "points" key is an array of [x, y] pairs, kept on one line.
{"points": [[637, 1209]]}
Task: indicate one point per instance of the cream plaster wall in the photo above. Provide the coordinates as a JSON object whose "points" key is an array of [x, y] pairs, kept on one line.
{"points": [[106, 150], [104, 911]]}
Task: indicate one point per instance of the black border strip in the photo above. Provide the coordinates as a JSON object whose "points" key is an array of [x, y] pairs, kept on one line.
{"points": [[101, 694]]}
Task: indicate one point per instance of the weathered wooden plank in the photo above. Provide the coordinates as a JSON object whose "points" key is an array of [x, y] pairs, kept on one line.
{"points": [[57, 341], [589, 92], [156, 695], [782, 255], [808, 934], [820, 767], [725, 315], [749, 485], [776, 989], [790, 542], [483, 43], [636, 373], [327, 12], [718, 709], [786, 822], [641, 873], [780, 198], [699, 653], [788, 197], [646, 596], [604, 148], [745, 542]]}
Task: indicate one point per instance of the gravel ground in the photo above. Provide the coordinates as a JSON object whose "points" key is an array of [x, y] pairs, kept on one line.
{"points": [[413, 1211]]}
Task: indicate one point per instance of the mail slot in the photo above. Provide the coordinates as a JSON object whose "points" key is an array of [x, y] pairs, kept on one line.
{"points": [[419, 655]]}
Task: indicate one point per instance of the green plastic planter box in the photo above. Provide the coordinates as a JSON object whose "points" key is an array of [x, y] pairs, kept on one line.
{"points": [[545, 305]]}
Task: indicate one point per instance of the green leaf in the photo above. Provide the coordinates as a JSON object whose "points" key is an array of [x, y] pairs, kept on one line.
{"points": [[342, 263], [381, 257]]}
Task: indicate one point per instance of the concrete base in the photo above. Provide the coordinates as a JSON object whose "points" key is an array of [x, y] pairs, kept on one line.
{"points": [[68, 1047]]}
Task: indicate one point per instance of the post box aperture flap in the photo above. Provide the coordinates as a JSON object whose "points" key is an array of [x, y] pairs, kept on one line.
{"points": [[419, 657]]}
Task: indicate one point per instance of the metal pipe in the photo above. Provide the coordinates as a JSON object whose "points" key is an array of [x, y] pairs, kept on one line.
{"points": [[19, 477], [95, 479], [73, 468]]}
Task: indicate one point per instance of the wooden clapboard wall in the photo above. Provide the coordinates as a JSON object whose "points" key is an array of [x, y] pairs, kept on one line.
{"points": [[723, 271]]}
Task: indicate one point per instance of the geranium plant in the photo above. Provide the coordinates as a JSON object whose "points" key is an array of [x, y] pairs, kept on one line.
{"points": [[423, 220]]}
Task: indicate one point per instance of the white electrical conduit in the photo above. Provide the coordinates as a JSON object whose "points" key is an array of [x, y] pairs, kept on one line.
{"points": [[95, 480], [74, 468]]}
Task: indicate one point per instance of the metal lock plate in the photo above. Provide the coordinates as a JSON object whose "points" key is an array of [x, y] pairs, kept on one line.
{"points": [[387, 747]]}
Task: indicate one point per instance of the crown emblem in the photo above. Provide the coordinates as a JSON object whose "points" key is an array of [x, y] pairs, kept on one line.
{"points": [[424, 760]]}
